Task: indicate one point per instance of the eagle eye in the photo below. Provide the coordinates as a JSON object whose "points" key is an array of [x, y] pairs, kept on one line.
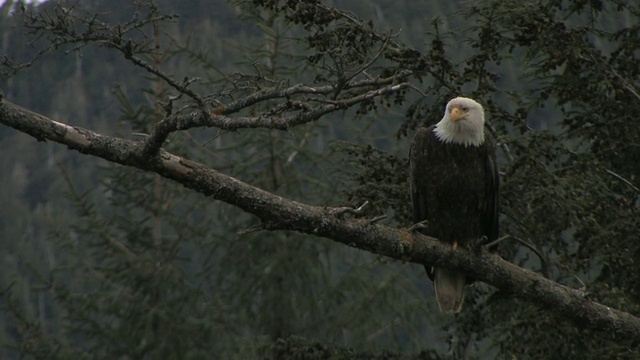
{"points": [[465, 109]]}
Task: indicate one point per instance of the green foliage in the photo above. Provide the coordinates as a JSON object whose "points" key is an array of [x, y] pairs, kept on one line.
{"points": [[123, 289], [166, 274], [299, 348], [570, 192], [143, 268], [561, 192], [381, 180]]}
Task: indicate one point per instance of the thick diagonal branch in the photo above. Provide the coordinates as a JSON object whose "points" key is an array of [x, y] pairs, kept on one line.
{"points": [[277, 212]]}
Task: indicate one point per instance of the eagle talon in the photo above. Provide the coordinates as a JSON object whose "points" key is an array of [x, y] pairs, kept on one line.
{"points": [[419, 226], [479, 244]]}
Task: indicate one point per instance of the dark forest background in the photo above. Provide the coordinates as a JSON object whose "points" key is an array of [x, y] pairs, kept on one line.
{"points": [[102, 261]]}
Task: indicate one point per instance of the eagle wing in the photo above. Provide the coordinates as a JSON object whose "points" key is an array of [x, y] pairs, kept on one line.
{"points": [[418, 197], [420, 200], [492, 184]]}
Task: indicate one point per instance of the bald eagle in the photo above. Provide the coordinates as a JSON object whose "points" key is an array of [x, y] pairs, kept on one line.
{"points": [[454, 187]]}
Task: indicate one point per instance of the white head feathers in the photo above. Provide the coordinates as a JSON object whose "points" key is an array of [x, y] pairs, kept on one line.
{"points": [[462, 123]]}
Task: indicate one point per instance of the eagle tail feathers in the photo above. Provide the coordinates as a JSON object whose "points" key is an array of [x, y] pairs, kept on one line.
{"points": [[449, 286]]}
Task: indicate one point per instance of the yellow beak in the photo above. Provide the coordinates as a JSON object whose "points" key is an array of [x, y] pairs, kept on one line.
{"points": [[456, 114]]}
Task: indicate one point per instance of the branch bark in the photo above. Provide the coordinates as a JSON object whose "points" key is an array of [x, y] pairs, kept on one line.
{"points": [[304, 112], [278, 213]]}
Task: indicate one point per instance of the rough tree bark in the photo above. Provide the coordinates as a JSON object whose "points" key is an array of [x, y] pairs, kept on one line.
{"points": [[278, 213]]}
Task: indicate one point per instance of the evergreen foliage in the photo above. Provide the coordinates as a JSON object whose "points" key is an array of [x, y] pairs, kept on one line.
{"points": [[130, 265]]}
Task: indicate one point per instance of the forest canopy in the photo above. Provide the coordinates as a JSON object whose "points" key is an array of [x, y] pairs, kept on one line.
{"points": [[228, 179]]}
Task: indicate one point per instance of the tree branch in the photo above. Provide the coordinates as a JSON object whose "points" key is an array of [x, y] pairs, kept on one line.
{"points": [[277, 212], [219, 118]]}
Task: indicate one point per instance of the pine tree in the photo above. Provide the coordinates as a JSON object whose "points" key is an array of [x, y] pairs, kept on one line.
{"points": [[318, 106]]}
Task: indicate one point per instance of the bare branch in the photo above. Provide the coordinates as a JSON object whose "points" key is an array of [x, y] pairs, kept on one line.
{"points": [[544, 263], [71, 26], [393, 49], [627, 182], [503, 145], [273, 118], [302, 89]]}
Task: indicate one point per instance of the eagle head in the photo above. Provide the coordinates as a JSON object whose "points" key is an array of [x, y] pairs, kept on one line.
{"points": [[462, 123]]}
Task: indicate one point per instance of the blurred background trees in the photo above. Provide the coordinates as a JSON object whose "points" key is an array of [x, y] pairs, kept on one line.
{"points": [[108, 262]]}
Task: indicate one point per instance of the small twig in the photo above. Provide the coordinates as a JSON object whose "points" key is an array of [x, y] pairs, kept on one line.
{"points": [[377, 218], [583, 286], [392, 46], [341, 211], [498, 240], [625, 82], [418, 90], [368, 64], [168, 105], [251, 229], [117, 244], [505, 147], [181, 86], [419, 226], [627, 182], [302, 142], [543, 261]]}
